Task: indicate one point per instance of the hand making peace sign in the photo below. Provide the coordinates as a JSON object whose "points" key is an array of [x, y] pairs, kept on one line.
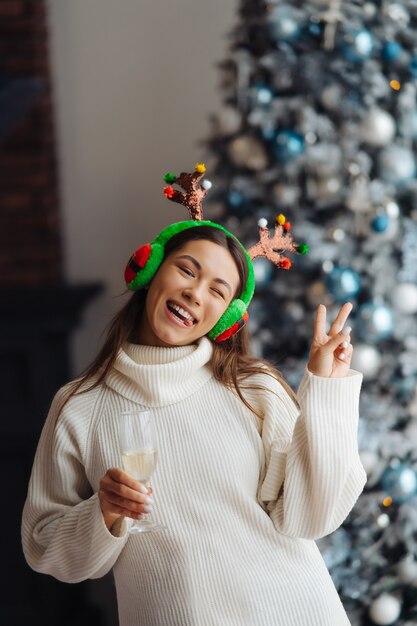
{"points": [[331, 353]]}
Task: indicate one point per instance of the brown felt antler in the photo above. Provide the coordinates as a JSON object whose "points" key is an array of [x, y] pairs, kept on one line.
{"points": [[193, 194], [281, 240]]}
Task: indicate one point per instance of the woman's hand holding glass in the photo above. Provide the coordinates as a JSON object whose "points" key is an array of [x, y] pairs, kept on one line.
{"points": [[121, 495]]}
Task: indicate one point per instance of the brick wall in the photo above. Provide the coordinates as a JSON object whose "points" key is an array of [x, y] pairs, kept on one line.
{"points": [[30, 253]]}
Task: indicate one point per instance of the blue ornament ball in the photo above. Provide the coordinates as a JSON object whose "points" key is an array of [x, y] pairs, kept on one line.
{"points": [[263, 270], [380, 223], [284, 23], [288, 145], [400, 482], [314, 29], [357, 45], [375, 322], [396, 164], [261, 95], [268, 133], [343, 283], [391, 50], [235, 199]]}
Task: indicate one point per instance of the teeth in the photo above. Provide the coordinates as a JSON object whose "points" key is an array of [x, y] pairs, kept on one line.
{"points": [[182, 312]]}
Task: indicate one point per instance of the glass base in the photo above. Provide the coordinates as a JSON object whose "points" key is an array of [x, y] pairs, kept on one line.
{"points": [[145, 526]]}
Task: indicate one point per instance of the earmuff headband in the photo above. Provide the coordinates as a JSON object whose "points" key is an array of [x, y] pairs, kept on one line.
{"points": [[144, 263]]}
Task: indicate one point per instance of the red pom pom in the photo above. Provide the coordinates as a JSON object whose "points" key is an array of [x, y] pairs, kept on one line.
{"points": [[142, 254], [285, 264], [287, 226], [169, 191]]}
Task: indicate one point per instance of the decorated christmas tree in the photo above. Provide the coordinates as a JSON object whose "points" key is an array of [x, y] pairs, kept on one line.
{"points": [[319, 127]]}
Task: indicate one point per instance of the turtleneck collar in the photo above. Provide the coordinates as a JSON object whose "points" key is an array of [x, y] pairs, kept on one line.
{"points": [[153, 376]]}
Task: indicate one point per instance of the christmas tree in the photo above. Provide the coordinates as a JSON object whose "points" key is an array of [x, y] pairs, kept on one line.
{"points": [[319, 125]]}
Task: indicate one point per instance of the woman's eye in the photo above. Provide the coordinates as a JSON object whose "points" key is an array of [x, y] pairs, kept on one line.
{"points": [[187, 271], [219, 293]]}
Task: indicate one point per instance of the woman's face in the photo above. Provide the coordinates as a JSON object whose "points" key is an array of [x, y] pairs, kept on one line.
{"points": [[190, 292]]}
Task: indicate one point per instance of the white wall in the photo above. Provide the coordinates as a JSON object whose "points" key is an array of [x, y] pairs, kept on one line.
{"points": [[135, 82]]}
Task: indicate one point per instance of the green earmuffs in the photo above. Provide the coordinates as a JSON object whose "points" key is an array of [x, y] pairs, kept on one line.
{"points": [[145, 262]]}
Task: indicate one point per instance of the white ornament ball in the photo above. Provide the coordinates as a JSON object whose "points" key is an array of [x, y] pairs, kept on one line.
{"points": [[392, 209], [262, 222], [385, 610], [286, 195], [369, 460], [407, 571], [248, 152], [396, 164], [229, 120], [369, 9], [383, 520], [378, 128], [332, 96], [397, 13], [404, 298], [366, 359], [328, 187]]}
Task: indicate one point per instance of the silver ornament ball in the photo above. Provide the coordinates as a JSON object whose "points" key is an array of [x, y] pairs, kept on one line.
{"points": [[383, 520], [378, 128], [286, 194], [407, 571], [369, 460], [228, 120], [397, 164], [248, 152], [404, 298], [366, 359], [385, 610]]}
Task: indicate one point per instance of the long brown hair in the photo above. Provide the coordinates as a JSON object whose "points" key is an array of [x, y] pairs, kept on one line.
{"points": [[231, 362]]}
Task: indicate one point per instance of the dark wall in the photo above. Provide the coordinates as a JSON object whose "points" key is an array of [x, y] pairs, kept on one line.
{"points": [[38, 311]]}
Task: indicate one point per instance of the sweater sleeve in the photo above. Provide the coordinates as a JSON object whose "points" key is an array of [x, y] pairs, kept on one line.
{"points": [[63, 530], [313, 474]]}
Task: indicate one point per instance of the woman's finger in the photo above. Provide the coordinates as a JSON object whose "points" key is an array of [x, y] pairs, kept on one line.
{"points": [[121, 491], [333, 343], [320, 324], [344, 354], [341, 318], [121, 503], [120, 476]]}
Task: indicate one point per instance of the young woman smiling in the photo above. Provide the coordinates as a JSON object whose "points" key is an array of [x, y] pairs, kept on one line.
{"points": [[249, 475]]}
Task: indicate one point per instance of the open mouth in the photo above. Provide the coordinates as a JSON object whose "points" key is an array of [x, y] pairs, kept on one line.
{"points": [[181, 314]]}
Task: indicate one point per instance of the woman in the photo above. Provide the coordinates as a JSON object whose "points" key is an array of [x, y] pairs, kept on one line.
{"points": [[246, 480]]}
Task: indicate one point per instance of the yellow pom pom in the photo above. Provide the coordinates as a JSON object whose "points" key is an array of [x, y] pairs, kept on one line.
{"points": [[200, 168], [281, 219]]}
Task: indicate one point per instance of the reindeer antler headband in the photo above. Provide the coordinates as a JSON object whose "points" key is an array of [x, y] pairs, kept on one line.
{"points": [[144, 263], [269, 247]]}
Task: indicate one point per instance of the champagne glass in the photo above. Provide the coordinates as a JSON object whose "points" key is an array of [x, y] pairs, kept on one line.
{"points": [[139, 454]]}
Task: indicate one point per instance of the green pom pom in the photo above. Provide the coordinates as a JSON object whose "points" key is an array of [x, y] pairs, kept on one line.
{"points": [[302, 248], [170, 178]]}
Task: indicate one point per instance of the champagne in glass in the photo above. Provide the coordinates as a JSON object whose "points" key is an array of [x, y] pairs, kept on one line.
{"points": [[139, 454]]}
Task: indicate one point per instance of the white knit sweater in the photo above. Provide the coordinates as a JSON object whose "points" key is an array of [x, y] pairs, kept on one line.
{"points": [[238, 549]]}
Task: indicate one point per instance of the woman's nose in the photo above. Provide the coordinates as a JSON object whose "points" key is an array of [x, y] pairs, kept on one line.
{"points": [[193, 294]]}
